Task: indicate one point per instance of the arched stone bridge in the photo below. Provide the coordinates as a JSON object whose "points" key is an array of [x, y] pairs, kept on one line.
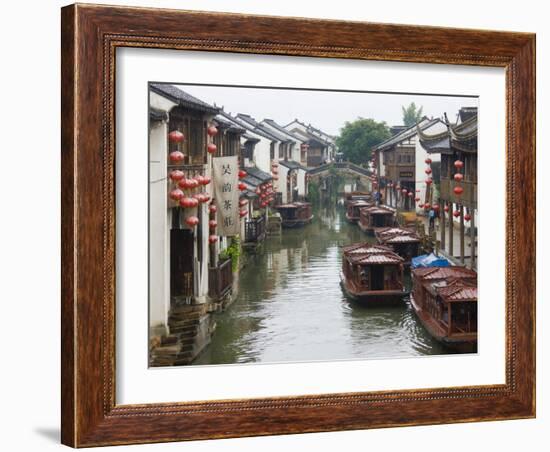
{"points": [[364, 175]]}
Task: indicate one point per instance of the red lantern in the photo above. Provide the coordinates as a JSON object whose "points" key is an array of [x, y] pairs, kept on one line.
{"points": [[458, 190], [428, 171], [404, 191], [417, 199], [177, 175], [243, 202], [418, 190], [243, 213], [429, 181], [456, 213], [212, 224], [199, 179], [258, 190], [212, 131], [213, 208], [241, 186], [458, 177], [410, 194], [427, 206], [192, 221], [446, 208], [175, 136], [435, 207], [467, 217], [176, 194], [212, 239], [176, 157], [428, 161], [242, 174], [206, 180], [188, 203], [263, 204], [458, 164], [206, 197], [211, 148]]}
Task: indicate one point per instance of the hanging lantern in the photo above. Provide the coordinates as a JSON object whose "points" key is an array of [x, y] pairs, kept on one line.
{"points": [[275, 171], [199, 197], [404, 191], [213, 208], [467, 217], [435, 207], [428, 171], [199, 179], [242, 174], [458, 190], [206, 197], [458, 177], [429, 181], [418, 190], [428, 161], [243, 202], [410, 194], [206, 180], [211, 148], [456, 213], [417, 199], [458, 164], [263, 204], [446, 208], [427, 206], [188, 202], [241, 186], [176, 175], [258, 190], [242, 213], [212, 239], [212, 224], [192, 221], [212, 131], [175, 136], [176, 194], [176, 156]]}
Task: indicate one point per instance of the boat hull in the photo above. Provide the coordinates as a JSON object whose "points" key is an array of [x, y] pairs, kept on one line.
{"points": [[296, 223], [372, 297], [463, 344]]}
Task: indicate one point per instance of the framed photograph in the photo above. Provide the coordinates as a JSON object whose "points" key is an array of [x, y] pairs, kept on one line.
{"points": [[282, 225]]}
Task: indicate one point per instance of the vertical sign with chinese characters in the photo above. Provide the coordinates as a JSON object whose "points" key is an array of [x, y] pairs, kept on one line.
{"points": [[225, 172]]}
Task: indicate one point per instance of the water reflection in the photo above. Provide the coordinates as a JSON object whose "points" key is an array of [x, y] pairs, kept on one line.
{"points": [[291, 308]]}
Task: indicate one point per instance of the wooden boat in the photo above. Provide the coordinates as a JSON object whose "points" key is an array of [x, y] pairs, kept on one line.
{"points": [[357, 196], [295, 214], [372, 274], [353, 209], [376, 217], [403, 241], [445, 301]]}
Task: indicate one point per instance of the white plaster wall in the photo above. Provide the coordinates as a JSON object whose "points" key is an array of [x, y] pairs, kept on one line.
{"points": [[302, 182], [281, 183], [160, 102], [159, 285]]}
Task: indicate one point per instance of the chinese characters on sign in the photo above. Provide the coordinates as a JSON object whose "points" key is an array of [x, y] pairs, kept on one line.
{"points": [[226, 194]]}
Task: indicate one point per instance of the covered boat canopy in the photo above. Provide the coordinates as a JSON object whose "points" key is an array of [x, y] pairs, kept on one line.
{"points": [[429, 260]]}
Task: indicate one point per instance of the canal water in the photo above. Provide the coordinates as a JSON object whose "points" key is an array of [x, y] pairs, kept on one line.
{"points": [[290, 306]]}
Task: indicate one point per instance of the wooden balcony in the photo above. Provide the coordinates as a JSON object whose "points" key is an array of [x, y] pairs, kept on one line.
{"points": [[254, 230], [220, 280]]}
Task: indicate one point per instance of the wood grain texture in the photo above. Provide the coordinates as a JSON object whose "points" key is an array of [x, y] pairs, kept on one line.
{"points": [[90, 36]]}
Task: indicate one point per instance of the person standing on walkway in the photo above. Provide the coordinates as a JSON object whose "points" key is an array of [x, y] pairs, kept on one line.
{"points": [[377, 197], [431, 216]]}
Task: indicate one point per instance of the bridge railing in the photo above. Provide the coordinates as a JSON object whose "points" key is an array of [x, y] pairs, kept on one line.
{"points": [[341, 165]]}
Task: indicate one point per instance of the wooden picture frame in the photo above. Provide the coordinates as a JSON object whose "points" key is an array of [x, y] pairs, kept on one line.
{"points": [[90, 36]]}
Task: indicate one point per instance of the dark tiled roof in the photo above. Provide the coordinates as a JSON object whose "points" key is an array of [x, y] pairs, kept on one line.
{"points": [[366, 253], [181, 97], [251, 121], [406, 134], [291, 164], [249, 127], [258, 173], [284, 131], [157, 115], [227, 125]]}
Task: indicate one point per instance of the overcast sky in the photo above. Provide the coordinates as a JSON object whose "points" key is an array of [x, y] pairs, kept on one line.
{"points": [[325, 110]]}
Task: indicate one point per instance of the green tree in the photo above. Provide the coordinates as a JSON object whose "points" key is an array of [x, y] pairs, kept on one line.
{"points": [[357, 138], [411, 114]]}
